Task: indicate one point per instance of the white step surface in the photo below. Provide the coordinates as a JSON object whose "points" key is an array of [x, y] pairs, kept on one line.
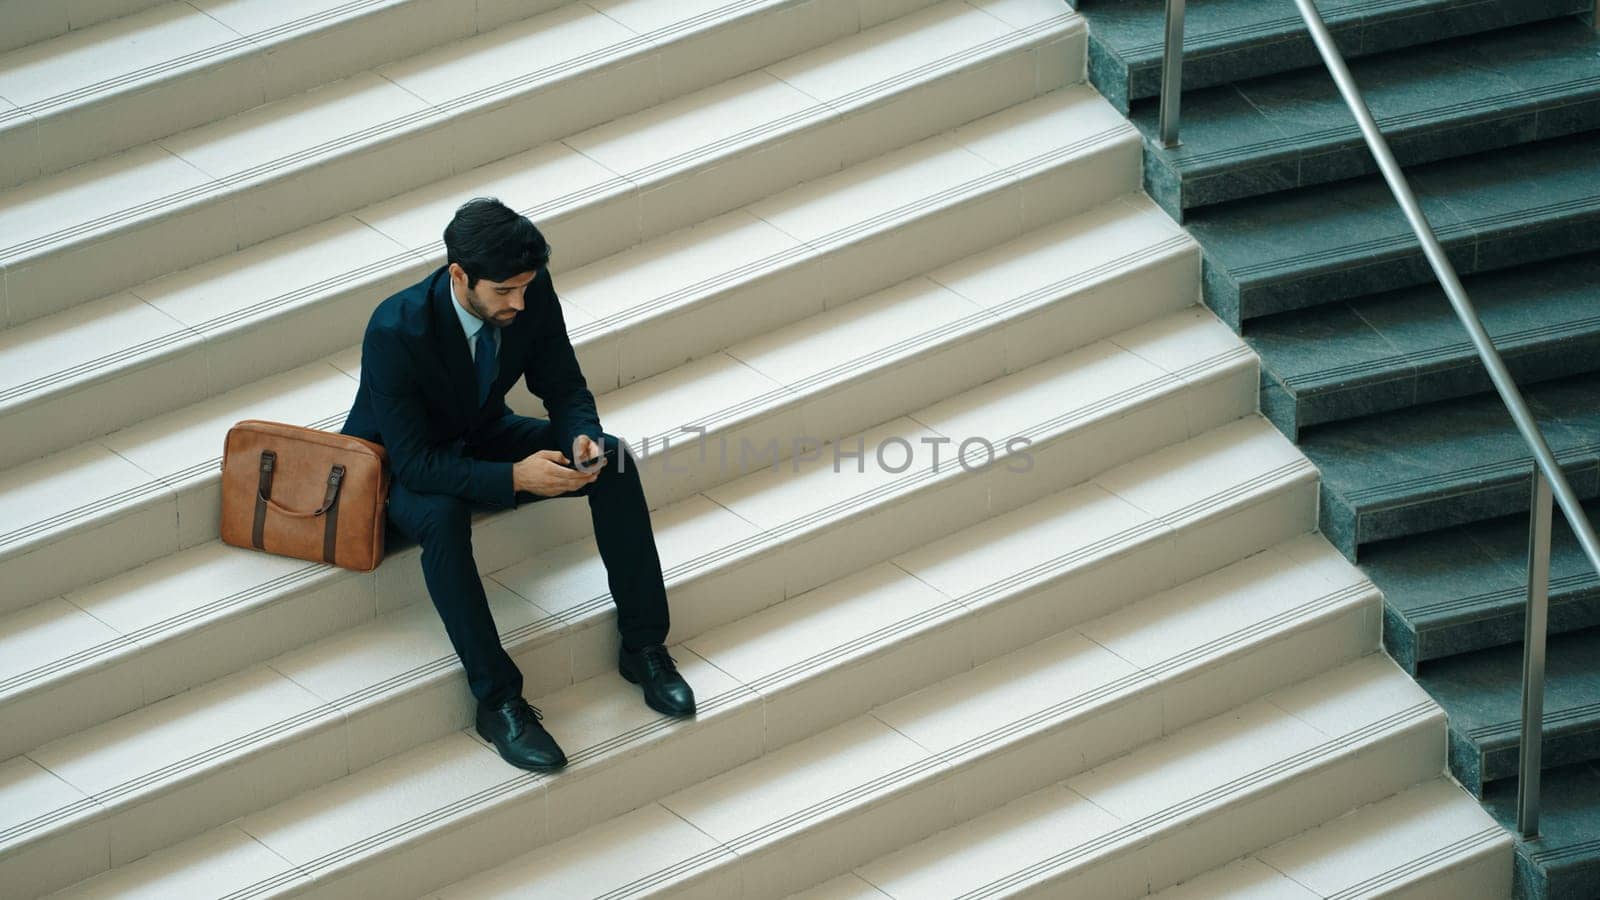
{"points": [[90, 369], [1192, 800], [794, 531], [31, 21], [208, 191], [1429, 841], [104, 87], [183, 612]]}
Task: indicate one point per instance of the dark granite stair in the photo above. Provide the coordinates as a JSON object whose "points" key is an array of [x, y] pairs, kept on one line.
{"points": [[1481, 693], [1465, 588], [1402, 348], [1448, 463], [1563, 862], [1332, 242], [1231, 40], [1448, 99], [1493, 108]]}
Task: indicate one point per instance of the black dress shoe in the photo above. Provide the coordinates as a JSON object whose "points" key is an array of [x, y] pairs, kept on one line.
{"points": [[513, 727], [652, 668]]}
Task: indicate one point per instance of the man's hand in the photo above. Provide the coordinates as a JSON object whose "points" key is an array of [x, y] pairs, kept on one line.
{"points": [[548, 474], [587, 448]]}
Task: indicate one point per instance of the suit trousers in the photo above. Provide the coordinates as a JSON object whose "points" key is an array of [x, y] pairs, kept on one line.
{"points": [[442, 525]]}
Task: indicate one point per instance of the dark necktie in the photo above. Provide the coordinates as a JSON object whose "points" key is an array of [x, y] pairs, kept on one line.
{"points": [[487, 364]]}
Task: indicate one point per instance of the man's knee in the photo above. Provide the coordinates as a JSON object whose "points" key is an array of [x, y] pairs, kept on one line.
{"points": [[441, 517], [619, 459]]}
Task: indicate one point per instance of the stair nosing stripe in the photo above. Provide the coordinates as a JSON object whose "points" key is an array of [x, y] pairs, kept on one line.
{"points": [[130, 494], [1514, 726], [1459, 847], [1554, 854], [263, 41], [170, 624], [883, 88], [1446, 352], [1398, 121], [1153, 675], [1500, 470], [1134, 828], [1578, 581], [1055, 567], [1267, 27], [982, 319], [667, 873], [1408, 240], [1306, 760]]}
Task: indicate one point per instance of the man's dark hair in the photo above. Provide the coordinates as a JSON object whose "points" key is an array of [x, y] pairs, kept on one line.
{"points": [[489, 239]]}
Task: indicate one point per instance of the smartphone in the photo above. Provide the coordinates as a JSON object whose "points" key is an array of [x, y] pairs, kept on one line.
{"points": [[588, 463]]}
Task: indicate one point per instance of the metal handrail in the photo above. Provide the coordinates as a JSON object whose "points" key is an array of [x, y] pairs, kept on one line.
{"points": [[1549, 482], [1172, 74]]}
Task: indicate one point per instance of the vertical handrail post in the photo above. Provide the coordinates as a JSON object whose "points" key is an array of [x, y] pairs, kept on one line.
{"points": [[1539, 523], [1172, 74]]}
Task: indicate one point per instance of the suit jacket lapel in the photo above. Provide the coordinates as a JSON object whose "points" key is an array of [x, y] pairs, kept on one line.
{"points": [[457, 360]]}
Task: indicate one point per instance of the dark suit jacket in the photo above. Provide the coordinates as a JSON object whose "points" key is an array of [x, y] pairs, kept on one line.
{"points": [[418, 392]]}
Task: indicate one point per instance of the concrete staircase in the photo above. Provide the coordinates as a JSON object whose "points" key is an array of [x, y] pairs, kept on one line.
{"points": [[1493, 107], [1041, 602]]}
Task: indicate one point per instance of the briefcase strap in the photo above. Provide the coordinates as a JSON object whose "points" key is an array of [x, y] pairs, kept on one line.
{"points": [[330, 503], [258, 532], [330, 506]]}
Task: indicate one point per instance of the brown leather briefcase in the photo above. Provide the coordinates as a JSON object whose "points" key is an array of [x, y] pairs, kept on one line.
{"points": [[306, 493]]}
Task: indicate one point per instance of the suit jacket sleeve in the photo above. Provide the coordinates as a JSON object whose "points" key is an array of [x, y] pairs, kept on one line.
{"points": [[554, 376], [415, 461]]}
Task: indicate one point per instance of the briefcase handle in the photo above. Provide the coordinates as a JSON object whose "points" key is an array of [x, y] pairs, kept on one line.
{"points": [[264, 491], [330, 501]]}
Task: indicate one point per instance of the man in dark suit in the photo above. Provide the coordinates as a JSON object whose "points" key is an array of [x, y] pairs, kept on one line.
{"points": [[436, 362]]}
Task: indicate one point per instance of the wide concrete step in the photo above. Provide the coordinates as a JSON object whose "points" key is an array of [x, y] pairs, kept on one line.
{"points": [[773, 533], [87, 370], [1563, 862], [1449, 463], [908, 693], [1481, 691], [1430, 840], [103, 88], [1232, 40], [1330, 242], [1187, 801], [1405, 348], [740, 276], [31, 21], [1466, 588], [1433, 102], [230, 184]]}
